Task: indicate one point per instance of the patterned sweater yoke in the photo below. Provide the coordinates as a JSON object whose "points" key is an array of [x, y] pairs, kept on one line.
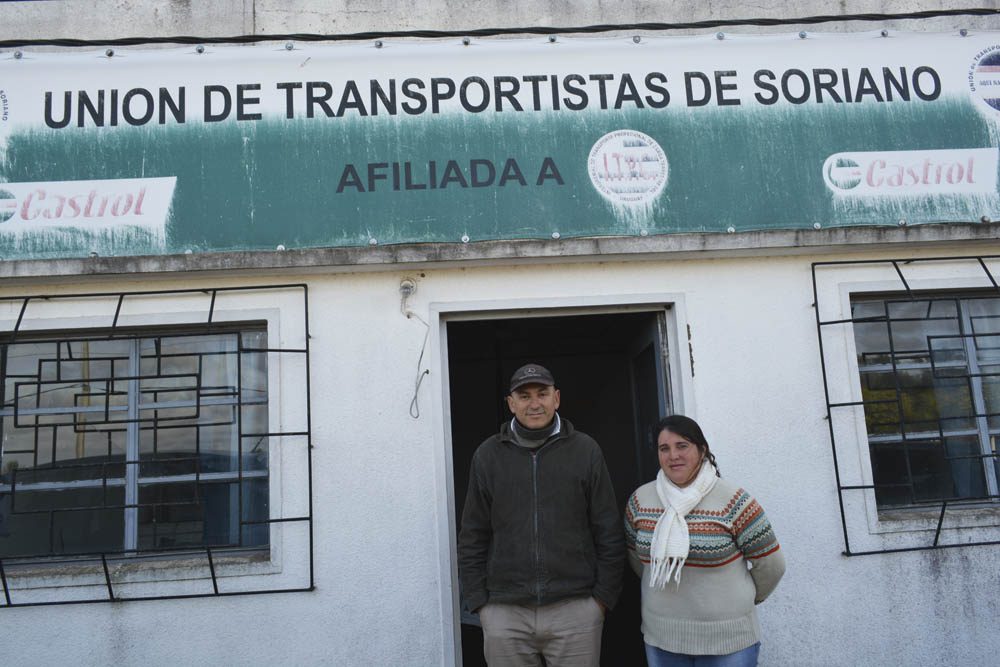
{"points": [[720, 532]]}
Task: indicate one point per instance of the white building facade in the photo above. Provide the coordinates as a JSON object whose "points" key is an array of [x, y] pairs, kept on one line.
{"points": [[255, 322]]}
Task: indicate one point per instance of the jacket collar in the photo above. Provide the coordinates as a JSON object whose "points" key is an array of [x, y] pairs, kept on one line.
{"points": [[563, 429]]}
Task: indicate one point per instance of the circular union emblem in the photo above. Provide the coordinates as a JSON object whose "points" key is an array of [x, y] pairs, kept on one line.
{"points": [[984, 77], [628, 167]]}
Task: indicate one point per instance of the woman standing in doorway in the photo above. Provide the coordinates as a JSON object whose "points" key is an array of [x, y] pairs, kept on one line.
{"points": [[690, 537]]}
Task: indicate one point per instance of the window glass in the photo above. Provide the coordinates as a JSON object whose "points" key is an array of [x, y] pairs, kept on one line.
{"points": [[164, 428], [930, 380], [64, 521]]}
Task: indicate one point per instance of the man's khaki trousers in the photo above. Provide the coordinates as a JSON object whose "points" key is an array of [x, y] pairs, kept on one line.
{"points": [[567, 633]]}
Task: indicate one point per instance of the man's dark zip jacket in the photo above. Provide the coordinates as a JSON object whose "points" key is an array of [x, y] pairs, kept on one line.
{"points": [[540, 525]]}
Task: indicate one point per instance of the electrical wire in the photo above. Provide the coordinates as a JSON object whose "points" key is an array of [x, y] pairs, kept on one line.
{"points": [[406, 289], [494, 32], [414, 406]]}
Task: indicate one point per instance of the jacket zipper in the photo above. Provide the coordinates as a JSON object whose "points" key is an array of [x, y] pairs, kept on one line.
{"points": [[534, 489], [538, 555]]}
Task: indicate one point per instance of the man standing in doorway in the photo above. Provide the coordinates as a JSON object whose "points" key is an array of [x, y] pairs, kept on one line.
{"points": [[541, 550]]}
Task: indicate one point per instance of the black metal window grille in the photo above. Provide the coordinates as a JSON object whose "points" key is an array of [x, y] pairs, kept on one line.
{"points": [[125, 450], [929, 366]]}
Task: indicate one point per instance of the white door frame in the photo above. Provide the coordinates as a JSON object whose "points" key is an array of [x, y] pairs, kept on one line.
{"points": [[440, 314]]}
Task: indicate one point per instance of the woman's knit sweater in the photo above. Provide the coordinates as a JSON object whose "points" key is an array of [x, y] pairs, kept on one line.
{"points": [[711, 611]]}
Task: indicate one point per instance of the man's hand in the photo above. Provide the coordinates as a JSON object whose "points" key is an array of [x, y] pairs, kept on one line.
{"points": [[604, 610]]}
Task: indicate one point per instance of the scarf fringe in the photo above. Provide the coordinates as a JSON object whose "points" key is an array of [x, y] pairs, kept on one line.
{"points": [[663, 568]]}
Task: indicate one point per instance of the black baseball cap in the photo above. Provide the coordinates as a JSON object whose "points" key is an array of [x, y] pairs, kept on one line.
{"points": [[531, 374]]}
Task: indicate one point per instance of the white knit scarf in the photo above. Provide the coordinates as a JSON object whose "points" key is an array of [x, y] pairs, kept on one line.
{"points": [[671, 540]]}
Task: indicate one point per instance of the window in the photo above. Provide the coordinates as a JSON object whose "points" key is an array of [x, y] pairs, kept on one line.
{"points": [[155, 444], [930, 382], [910, 358], [139, 442]]}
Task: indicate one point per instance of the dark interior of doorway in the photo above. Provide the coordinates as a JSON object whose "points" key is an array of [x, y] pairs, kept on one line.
{"points": [[605, 368]]}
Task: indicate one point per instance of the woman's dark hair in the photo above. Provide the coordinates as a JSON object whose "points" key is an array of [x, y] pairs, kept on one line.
{"points": [[688, 429]]}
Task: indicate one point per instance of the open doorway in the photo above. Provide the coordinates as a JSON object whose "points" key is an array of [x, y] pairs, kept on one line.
{"points": [[611, 369]]}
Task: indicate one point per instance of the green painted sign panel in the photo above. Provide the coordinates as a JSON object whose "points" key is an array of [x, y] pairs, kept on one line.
{"points": [[243, 148]]}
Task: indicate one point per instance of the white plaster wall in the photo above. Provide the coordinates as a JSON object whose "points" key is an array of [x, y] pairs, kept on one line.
{"points": [[97, 19], [274, 16], [382, 547], [377, 598]]}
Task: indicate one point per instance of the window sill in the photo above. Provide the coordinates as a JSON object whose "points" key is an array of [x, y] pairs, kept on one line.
{"points": [[143, 569], [926, 518]]}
